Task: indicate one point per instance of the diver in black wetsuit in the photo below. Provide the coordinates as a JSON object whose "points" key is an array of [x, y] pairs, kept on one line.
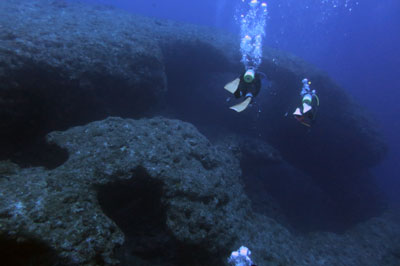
{"points": [[248, 89], [247, 86], [310, 102]]}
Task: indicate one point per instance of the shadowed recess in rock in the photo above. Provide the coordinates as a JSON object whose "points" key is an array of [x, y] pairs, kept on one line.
{"points": [[41, 99], [136, 207], [37, 153], [22, 251]]}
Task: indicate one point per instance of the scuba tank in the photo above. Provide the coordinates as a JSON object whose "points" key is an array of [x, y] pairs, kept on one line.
{"points": [[307, 99], [249, 75]]}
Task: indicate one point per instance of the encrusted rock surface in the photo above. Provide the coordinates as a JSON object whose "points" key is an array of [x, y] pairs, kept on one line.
{"points": [[202, 195], [371, 243], [250, 149], [193, 192]]}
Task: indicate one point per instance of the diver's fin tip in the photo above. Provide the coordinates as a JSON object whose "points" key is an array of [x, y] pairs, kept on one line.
{"points": [[241, 106], [306, 108], [232, 86], [297, 112]]}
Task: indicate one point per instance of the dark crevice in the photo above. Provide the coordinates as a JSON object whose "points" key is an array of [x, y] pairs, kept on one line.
{"points": [[37, 153], [23, 251], [136, 207], [38, 99]]}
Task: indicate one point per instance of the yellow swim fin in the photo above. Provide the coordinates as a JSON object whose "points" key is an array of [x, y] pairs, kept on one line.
{"points": [[232, 86], [241, 106]]}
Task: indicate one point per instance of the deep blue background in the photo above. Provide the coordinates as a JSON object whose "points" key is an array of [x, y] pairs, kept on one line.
{"points": [[359, 48]]}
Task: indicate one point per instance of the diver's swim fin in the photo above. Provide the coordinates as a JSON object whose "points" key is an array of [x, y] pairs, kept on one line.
{"points": [[297, 112], [306, 108], [241, 106], [232, 86]]}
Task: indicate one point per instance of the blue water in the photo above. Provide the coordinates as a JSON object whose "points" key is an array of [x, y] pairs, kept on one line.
{"points": [[355, 42]]}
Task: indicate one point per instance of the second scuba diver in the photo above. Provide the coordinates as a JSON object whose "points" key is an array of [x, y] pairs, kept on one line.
{"points": [[310, 102], [246, 86]]}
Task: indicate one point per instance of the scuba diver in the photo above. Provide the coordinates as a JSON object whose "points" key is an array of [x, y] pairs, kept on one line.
{"points": [[310, 102], [241, 257], [246, 86]]}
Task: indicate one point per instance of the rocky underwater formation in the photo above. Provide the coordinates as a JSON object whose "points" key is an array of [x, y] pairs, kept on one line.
{"points": [[156, 191], [64, 64]]}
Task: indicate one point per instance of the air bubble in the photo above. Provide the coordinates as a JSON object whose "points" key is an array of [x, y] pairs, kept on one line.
{"points": [[252, 32]]}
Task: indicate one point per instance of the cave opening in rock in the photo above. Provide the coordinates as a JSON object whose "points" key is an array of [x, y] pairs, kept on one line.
{"points": [[136, 206]]}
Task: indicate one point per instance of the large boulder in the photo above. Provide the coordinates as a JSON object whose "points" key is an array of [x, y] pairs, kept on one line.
{"points": [[64, 64], [156, 192], [169, 192]]}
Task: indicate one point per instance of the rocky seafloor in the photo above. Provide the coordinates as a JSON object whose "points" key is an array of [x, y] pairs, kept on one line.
{"points": [[157, 192], [64, 64]]}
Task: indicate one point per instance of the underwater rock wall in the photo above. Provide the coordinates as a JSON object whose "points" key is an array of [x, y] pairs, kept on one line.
{"points": [[156, 192], [64, 64]]}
